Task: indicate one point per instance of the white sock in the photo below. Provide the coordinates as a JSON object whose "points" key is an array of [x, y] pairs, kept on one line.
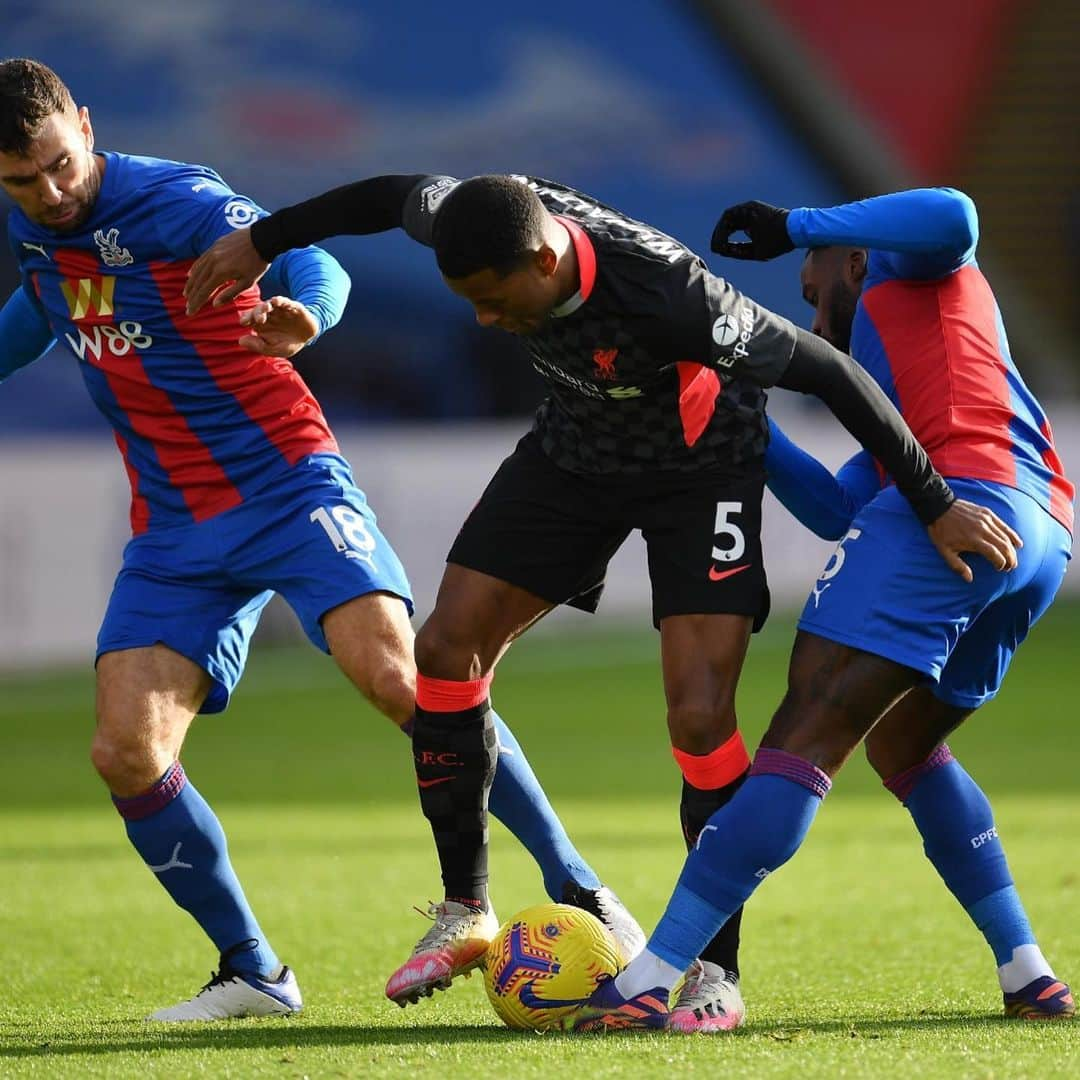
{"points": [[1026, 965], [646, 972]]}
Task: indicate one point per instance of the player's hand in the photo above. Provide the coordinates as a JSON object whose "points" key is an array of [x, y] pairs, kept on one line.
{"points": [[966, 526], [279, 327], [765, 225], [232, 258]]}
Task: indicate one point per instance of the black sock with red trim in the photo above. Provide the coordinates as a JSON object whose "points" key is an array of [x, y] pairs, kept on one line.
{"points": [[455, 749]]}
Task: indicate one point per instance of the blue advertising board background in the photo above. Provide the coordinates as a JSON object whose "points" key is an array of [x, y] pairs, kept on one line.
{"points": [[639, 105]]}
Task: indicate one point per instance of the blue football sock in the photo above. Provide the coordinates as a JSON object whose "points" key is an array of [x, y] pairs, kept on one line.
{"points": [[180, 838], [957, 826], [519, 802], [743, 842]]}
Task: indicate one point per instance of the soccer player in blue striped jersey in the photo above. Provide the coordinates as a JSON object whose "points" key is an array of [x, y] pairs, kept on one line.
{"points": [[891, 646], [238, 490]]}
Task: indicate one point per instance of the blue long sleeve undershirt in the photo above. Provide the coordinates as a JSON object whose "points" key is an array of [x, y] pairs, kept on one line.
{"points": [[25, 332], [921, 234], [315, 278], [824, 503]]}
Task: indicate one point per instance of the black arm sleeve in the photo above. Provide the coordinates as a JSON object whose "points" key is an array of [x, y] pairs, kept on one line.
{"points": [[862, 407], [368, 206]]}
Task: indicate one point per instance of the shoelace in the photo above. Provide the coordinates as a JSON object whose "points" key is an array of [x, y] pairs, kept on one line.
{"points": [[226, 973], [695, 977], [443, 929]]}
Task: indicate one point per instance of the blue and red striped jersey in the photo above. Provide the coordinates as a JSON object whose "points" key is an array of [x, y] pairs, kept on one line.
{"points": [[927, 327], [201, 423]]}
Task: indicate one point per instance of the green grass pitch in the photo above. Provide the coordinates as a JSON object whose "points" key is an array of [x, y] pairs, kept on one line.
{"points": [[857, 963]]}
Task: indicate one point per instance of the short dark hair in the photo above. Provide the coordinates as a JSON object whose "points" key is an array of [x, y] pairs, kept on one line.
{"points": [[488, 223], [29, 94]]}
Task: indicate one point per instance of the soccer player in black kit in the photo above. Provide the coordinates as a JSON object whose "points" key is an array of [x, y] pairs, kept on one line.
{"points": [[655, 420]]}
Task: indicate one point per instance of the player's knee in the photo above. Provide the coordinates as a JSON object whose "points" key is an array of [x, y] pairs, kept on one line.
{"points": [[131, 756], [809, 726], [127, 766], [392, 690], [696, 728], [893, 755], [444, 651]]}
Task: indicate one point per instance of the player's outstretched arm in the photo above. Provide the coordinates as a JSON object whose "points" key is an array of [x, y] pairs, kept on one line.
{"points": [[861, 406], [24, 331], [928, 231], [824, 503], [924, 221], [368, 206]]}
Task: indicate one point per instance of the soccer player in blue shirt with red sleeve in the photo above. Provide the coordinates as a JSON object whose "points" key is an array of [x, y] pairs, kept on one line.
{"points": [[238, 490], [891, 646]]}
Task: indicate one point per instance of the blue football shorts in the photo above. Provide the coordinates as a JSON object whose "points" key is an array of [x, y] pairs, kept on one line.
{"points": [[200, 588], [887, 591]]}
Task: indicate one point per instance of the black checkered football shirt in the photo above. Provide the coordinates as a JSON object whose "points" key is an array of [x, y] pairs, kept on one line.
{"points": [[659, 365]]}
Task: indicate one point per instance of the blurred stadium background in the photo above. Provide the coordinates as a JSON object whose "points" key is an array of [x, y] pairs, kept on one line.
{"points": [[669, 110]]}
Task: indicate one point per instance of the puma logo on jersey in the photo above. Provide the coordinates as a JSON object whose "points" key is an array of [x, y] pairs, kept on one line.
{"points": [[35, 247]]}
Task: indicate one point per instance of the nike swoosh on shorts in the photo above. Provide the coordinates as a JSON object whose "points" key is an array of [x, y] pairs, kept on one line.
{"points": [[719, 575]]}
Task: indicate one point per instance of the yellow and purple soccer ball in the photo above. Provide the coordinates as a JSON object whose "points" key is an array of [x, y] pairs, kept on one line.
{"points": [[544, 962]]}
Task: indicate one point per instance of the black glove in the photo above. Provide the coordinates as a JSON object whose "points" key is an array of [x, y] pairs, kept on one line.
{"points": [[765, 225]]}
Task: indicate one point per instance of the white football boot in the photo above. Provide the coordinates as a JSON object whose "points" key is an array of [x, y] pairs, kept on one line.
{"points": [[230, 994], [613, 913], [710, 1000], [453, 946]]}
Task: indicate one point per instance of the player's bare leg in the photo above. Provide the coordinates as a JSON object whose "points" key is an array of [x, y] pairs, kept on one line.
{"points": [[146, 700], [960, 838], [702, 657], [371, 640]]}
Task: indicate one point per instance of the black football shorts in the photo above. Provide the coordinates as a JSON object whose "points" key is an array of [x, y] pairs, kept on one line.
{"points": [[553, 532]]}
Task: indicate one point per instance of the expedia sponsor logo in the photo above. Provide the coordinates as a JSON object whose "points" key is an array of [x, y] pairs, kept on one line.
{"points": [[734, 333], [725, 330], [88, 297]]}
